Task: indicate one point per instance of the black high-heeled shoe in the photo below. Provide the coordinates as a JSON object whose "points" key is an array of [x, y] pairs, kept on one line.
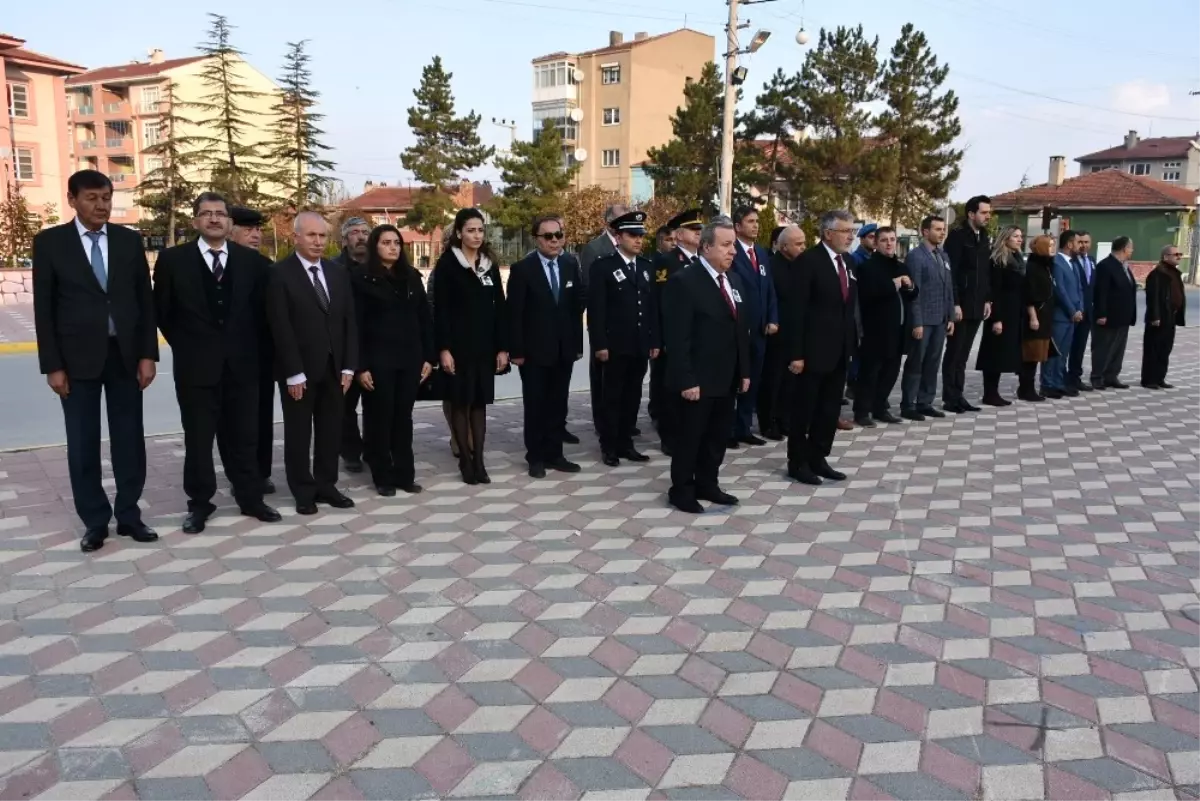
{"points": [[467, 469]]}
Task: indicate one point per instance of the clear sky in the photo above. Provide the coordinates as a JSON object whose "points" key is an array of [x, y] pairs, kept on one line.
{"points": [[1121, 65]]}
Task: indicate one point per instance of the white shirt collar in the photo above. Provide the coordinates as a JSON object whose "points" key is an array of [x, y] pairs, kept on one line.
{"points": [[205, 247], [716, 276], [83, 231], [308, 265], [833, 254], [545, 259], [687, 252], [746, 246]]}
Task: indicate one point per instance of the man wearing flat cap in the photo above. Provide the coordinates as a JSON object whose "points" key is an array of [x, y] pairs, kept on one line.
{"points": [[247, 232], [624, 334], [354, 232]]}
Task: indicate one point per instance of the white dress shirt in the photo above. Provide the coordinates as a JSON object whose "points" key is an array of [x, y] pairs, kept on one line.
{"points": [[833, 258], [691, 256], [87, 242], [206, 250], [300, 378]]}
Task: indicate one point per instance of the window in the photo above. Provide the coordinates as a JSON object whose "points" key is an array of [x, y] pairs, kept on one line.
{"points": [[153, 164], [610, 158], [1172, 170], [612, 116], [560, 113], [151, 133], [24, 164], [610, 73], [1140, 168], [18, 100], [150, 98], [558, 73], [1172, 175]]}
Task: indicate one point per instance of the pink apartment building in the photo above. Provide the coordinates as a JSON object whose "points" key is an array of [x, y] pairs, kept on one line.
{"points": [[35, 147]]}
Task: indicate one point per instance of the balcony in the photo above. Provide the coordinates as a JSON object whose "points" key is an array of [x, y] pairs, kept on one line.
{"points": [[120, 143], [122, 177], [115, 108], [88, 144], [152, 107], [85, 111]]}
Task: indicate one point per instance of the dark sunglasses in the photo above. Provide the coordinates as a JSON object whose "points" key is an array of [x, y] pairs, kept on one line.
{"points": [[552, 235]]}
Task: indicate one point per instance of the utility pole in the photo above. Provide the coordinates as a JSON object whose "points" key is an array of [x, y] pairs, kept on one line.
{"points": [[734, 77]]}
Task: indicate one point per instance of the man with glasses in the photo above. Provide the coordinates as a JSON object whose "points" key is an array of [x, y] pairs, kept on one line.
{"points": [[209, 303], [545, 309], [353, 257], [1165, 301]]}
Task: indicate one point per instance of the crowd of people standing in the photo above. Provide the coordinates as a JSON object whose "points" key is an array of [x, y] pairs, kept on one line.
{"points": [[727, 329]]}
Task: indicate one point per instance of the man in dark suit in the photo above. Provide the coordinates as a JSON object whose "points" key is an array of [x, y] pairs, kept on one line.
{"points": [[775, 390], [604, 244], [708, 337], [545, 305], [885, 291], [664, 403], [94, 312], [969, 250], [819, 303], [209, 300], [353, 257], [752, 265], [1085, 271], [247, 232], [311, 310], [623, 332], [1115, 309]]}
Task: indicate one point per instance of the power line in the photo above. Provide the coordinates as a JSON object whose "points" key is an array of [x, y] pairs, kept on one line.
{"points": [[1076, 103], [622, 14]]}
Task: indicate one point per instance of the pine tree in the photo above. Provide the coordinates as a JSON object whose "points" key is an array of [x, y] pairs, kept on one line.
{"points": [[166, 191], [535, 180], [297, 145], [225, 105], [917, 129], [688, 166], [446, 147]]}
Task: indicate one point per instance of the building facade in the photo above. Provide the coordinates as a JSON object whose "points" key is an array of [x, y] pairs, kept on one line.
{"points": [[381, 204], [34, 142], [1171, 159], [613, 104], [115, 113]]}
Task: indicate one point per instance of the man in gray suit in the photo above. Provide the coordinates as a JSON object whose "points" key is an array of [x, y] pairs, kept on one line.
{"points": [[602, 245], [931, 318]]}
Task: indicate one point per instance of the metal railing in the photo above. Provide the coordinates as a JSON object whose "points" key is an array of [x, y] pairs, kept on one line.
{"points": [[85, 110], [113, 108], [149, 107], [120, 177], [88, 144], [118, 142]]}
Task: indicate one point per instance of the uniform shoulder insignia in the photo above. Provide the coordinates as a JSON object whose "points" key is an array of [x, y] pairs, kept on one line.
{"points": [[661, 275]]}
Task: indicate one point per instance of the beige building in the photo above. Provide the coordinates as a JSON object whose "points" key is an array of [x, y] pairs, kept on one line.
{"points": [[115, 114], [613, 104], [34, 146]]}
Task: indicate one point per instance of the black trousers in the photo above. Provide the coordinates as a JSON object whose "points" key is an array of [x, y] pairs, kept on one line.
{"points": [[352, 441], [878, 370], [1108, 353], [815, 409], [621, 398], [1157, 344], [388, 426], [954, 362], [595, 386], [265, 448], [774, 391], [544, 393], [704, 427], [126, 442], [658, 390], [228, 413], [1026, 378], [667, 405], [312, 425]]}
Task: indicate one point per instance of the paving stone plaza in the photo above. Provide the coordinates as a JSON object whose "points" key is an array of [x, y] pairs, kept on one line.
{"points": [[1001, 605]]}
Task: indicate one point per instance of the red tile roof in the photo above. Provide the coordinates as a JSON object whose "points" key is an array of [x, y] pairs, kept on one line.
{"points": [[1104, 189], [126, 72], [400, 198], [22, 55], [1163, 147]]}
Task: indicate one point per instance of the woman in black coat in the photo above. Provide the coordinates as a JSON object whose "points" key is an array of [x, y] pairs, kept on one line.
{"points": [[470, 334], [1037, 296], [396, 354], [1000, 346]]}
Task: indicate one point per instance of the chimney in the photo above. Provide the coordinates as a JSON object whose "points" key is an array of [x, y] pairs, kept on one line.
{"points": [[157, 56], [615, 38], [1058, 170], [367, 186], [1131, 140], [640, 36]]}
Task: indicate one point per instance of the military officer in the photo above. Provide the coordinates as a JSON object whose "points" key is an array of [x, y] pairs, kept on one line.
{"points": [[624, 334], [685, 229]]}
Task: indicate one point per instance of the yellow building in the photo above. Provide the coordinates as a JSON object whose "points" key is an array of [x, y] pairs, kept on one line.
{"points": [[613, 104], [115, 114]]}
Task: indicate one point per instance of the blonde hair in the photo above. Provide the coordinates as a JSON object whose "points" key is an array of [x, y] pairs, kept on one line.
{"points": [[1043, 245], [1000, 245]]}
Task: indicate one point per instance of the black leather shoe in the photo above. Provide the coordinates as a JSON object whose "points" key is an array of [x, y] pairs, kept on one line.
{"points": [[888, 417], [1099, 387], [1165, 385], [611, 459], [570, 438], [194, 522], [637, 432], [386, 490], [306, 509], [718, 497], [262, 513], [412, 488], [632, 455], [335, 499], [774, 434], [268, 487], [864, 420], [1071, 392], [138, 532], [952, 408], [1052, 394], [537, 470], [1085, 387], [353, 465], [733, 444], [750, 439], [687, 505], [481, 475], [967, 406], [805, 476], [564, 466], [911, 414], [1118, 385], [1151, 386], [93, 539], [822, 469], [929, 411]]}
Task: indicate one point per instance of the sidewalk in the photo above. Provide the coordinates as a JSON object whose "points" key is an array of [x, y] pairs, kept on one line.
{"points": [[993, 606]]}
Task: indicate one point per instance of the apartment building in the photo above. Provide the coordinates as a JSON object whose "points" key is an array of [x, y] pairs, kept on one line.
{"points": [[613, 104], [115, 114], [1173, 159], [34, 145]]}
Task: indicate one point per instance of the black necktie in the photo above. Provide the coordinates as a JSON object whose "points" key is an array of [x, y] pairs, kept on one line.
{"points": [[218, 270], [554, 280], [322, 295]]}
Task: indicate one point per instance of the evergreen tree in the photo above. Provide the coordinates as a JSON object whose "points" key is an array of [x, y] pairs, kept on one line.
{"points": [[688, 167], [166, 191], [535, 180], [17, 227], [226, 116], [297, 145], [917, 129], [446, 147], [776, 121]]}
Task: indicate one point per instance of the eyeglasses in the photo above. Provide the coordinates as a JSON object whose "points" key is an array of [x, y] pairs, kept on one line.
{"points": [[552, 235], [845, 230], [1174, 255], [213, 215]]}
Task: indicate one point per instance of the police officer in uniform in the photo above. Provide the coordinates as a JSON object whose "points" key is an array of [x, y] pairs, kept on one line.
{"points": [[624, 334], [685, 228]]}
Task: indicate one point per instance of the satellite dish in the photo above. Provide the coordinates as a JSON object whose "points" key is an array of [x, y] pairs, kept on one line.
{"points": [[580, 154], [577, 74], [802, 37], [577, 114]]}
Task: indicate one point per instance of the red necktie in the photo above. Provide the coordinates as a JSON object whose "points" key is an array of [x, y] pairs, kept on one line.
{"points": [[725, 294], [843, 279], [753, 256]]}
